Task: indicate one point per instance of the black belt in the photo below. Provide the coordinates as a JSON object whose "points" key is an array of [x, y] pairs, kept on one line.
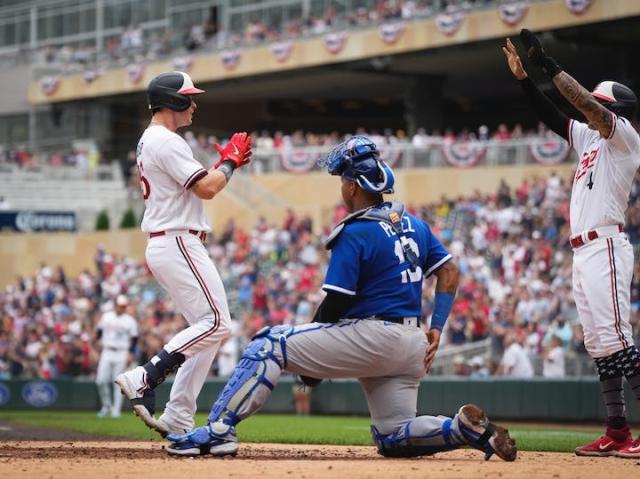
{"points": [[394, 320]]}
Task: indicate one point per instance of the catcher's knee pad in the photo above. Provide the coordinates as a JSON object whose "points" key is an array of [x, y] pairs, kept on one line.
{"points": [[254, 377]]}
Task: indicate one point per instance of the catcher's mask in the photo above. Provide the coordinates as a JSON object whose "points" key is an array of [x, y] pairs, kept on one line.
{"points": [[358, 160]]}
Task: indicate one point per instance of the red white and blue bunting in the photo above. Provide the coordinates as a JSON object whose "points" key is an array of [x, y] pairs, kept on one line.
{"points": [[230, 59], [449, 23], [464, 154], [335, 42], [298, 161], [550, 150], [513, 13], [391, 32], [135, 72], [89, 76], [50, 84], [577, 7], [282, 51], [183, 64]]}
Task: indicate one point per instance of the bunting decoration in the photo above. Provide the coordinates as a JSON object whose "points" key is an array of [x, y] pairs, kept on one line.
{"points": [[577, 7], [230, 59], [513, 13], [391, 32], [282, 51], [49, 84], [89, 76], [183, 64], [335, 42], [464, 154], [550, 150], [135, 72], [449, 23], [297, 161]]}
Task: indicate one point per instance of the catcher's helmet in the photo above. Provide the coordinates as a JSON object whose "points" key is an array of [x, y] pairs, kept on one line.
{"points": [[358, 159], [171, 90], [617, 98]]}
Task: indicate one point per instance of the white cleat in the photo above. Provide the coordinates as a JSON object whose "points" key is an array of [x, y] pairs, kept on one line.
{"points": [[133, 385]]}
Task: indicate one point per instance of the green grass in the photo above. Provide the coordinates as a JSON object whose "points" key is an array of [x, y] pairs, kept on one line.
{"points": [[288, 429]]}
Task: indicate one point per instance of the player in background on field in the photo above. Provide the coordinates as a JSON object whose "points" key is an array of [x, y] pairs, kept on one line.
{"points": [[174, 186], [118, 333], [608, 148], [367, 327]]}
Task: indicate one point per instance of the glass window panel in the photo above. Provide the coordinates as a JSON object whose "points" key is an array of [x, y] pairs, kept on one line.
{"points": [[71, 23]]}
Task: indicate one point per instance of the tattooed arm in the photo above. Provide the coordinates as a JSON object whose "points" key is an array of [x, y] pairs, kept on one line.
{"points": [[598, 116]]}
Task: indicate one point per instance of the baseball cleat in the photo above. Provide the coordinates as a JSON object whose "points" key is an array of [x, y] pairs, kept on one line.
{"points": [[484, 435], [202, 441], [604, 446], [133, 386], [164, 427], [632, 451]]}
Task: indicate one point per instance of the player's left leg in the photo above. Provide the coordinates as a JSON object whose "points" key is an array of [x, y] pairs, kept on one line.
{"points": [[397, 432]]}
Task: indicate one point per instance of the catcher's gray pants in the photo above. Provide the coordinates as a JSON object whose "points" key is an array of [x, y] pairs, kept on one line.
{"points": [[387, 359]]}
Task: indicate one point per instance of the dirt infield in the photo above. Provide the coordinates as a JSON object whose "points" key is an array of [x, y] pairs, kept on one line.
{"points": [[96, 459]]}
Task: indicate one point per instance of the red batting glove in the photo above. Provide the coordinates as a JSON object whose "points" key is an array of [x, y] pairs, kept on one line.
{"points": [[238, 150]]}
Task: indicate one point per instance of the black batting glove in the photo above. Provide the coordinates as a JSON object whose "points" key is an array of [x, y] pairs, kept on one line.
{"points": [[537, 55]]}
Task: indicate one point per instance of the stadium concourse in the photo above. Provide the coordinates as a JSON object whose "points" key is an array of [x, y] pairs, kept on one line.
{"points": [[511, 247]]}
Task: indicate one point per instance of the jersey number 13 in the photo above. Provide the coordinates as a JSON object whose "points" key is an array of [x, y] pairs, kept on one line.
{"points": [[407, 275]]}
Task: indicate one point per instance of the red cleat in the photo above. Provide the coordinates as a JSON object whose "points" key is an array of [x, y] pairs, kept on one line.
{"points": [[632, 451], [604, 446]]}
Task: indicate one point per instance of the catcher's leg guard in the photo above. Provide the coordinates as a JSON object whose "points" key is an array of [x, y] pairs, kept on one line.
{"points": [[252, 381], [421, 436]]}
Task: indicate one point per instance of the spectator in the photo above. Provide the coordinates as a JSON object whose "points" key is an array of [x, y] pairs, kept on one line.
{"points": [[515, 362], [553, 365]]}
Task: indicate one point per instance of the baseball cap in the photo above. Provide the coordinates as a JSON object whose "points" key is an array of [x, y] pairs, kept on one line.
{"points": [[122, 300]]}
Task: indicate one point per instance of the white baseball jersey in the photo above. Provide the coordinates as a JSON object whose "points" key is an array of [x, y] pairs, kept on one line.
{"points": [[117, 331], [605, 172], [167, 171]]}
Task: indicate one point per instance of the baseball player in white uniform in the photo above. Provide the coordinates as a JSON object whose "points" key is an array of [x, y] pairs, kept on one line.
{"points": [[174, 185], [118, 332], [608, 148]]}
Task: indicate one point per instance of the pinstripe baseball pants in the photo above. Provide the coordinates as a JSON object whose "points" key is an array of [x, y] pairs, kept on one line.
{"points": [[602, 272], [181, 264]]}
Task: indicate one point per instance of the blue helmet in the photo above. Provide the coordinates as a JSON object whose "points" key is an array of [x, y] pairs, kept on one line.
{"points": [[358, 159]]}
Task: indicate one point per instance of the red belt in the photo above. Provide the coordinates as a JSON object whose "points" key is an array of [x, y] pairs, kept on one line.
{"points": [[200, 234], [577, 241]]}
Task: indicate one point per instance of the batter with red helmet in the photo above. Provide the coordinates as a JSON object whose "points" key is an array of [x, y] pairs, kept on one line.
{"points": [[608, 148], [174, 185]]}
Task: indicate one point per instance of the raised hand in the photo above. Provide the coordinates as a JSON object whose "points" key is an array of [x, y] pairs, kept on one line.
{"points": [[237, 150], [513, 59], [537, 55]]}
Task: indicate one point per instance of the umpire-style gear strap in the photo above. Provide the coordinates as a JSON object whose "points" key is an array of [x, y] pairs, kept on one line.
{"points": [[391, 216]]}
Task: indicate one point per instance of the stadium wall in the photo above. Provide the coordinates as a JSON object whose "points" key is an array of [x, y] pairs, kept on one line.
{"points": [[313, 194], [538, 399]]}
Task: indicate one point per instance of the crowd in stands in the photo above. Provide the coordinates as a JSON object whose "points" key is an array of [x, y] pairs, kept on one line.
{"points": [[202, 142], [135, 44], [515, 287]]}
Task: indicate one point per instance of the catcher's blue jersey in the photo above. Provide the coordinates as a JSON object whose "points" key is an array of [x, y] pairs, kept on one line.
{"points": [[367, 261]]}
